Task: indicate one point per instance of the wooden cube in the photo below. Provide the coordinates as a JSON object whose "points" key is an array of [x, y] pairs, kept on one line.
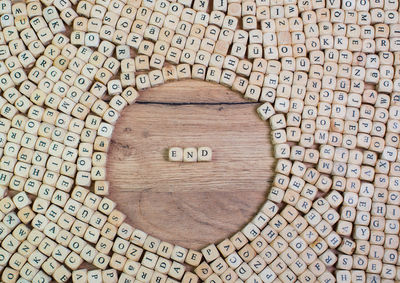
{"points": [[190, 154], [210, 253], [175, 154], [204, 154]]}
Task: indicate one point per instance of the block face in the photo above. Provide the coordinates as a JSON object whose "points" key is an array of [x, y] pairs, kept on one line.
{"points": [[190, 154], [204, 153], [175, 154]]}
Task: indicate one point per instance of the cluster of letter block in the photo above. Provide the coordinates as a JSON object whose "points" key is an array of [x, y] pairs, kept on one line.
{"points": [[327, 75], [190, 154]]}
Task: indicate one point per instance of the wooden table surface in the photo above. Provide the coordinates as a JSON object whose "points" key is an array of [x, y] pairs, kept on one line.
{"points": [[195, 204]]}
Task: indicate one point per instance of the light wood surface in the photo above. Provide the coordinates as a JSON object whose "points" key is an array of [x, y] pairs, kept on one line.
{"points": [[190, 204]]}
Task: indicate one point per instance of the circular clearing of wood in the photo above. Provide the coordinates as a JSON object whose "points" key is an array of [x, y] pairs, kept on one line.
{"points": [[189, 204]]}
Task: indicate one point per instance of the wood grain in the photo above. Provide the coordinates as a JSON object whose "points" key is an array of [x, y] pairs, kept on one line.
{"points": [[190, 204]]}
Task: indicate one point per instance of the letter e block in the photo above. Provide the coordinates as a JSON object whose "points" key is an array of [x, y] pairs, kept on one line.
{"points": [[175, 154]]}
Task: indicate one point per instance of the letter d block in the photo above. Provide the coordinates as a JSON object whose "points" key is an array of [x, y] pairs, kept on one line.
{"points": [[204, 154]]}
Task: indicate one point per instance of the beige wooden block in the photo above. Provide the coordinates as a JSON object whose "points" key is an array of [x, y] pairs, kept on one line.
{"points": [[138, 237], [101, 261], [50, 266], [101, 188], [247, 253], [229, 276], [134, 253], [73, 261], [175, 154], [199, 72], [20, 232], [130, 95], [110, 275], [289, 213], [41, 276], [169, 73], [190, 154], [101, 144], [117, 261], [226, 247], [204, 154], [61, 274], [92, 201], [79, 275], [104, 245], [234, 9], [144, 273], [77, 244], [116, 218], [142, 82], [179, 254], [193, 257], [163, 265], [190, 278], [131, 267], [26, 214], [177, 271], [5, 257], [234, 260], [7, 205], [165, 249], [21, 200], [151, 244], [28, 271], [156, 78], [244, 271], [94, 275], [210, 253], [184, 71], [203, 271]]}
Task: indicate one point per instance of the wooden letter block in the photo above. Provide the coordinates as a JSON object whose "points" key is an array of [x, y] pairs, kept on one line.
{"points": [[204, 154], [190, 154], [175, 154]]}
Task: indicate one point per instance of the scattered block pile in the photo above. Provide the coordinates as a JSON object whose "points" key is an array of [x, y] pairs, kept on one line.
{"points": [[327, 75]]}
